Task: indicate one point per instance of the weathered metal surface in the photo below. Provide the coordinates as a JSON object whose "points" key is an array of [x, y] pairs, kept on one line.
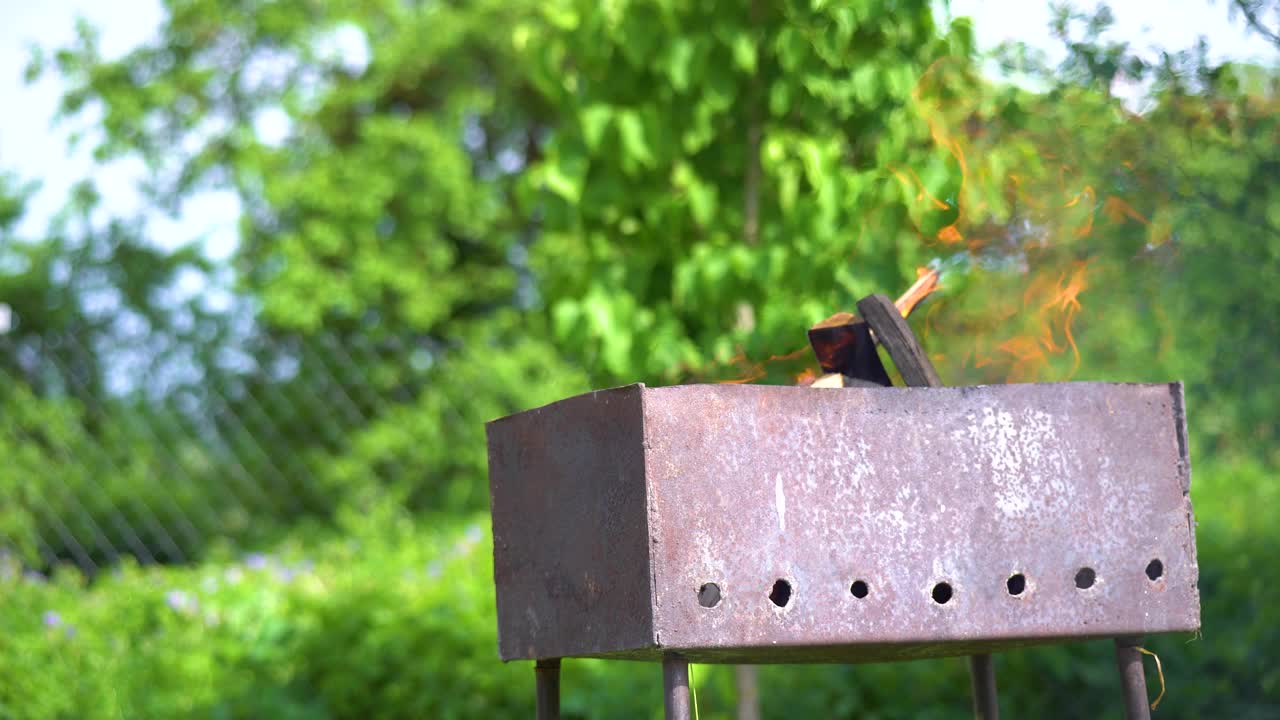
{"points": [[893, 333], [570, 532], [613, 511]]}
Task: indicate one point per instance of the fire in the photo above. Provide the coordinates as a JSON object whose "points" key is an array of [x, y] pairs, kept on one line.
{"points": [[1116, 210], [953, 143], [927, 282], [1066, 303], [1027, 228], [1085, 229], [755, 370], [950, 235], [1050, 305], [922, 193]]}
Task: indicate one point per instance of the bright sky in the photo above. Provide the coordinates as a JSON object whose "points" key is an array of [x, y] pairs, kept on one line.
{"points": [[1170, 24], [34, 149]]}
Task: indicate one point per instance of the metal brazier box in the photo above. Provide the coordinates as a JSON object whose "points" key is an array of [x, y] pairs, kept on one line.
{"points": [[754, 524]]}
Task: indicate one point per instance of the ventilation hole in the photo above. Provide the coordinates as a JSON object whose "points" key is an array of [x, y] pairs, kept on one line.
{"points": [[1085, 578], [1017, 584], [781, 593], [859, 589], [942, 593], [1155, 570], [709, 595]]}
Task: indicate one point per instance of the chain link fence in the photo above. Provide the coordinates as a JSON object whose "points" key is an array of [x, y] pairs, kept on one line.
{"points": [[109, 452]]}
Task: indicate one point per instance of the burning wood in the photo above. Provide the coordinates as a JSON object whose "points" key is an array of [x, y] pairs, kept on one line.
{"points": [[925, 284], [843, 341], [846, 346]]}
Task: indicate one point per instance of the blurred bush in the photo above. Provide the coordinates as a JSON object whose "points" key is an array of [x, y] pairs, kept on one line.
{"points": [[392, 624], [86, 496]]}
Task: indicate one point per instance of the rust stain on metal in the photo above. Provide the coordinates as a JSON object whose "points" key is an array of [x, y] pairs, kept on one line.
{"points": [[612, 510]]}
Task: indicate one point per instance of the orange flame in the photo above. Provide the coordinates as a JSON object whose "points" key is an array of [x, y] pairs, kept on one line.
{"points": [[1086, 228], [1056, 205], [1116, 210], [1054, 303], [757, 369], [952, 143]]}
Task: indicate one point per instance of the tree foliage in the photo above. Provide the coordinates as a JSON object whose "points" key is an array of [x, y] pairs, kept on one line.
{"points": [[385, 215], [723, 176], [1178, 216]]}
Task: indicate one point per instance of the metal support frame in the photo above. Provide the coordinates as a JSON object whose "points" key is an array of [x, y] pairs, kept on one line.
{"points": [[675, 687], [547, 673], [1133, 679], [982, 676]]}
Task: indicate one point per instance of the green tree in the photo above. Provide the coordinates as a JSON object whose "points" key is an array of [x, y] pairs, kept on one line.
{"points": [[1177, 211], [96, 285], [81, 303], [723, 176], [1262, 16], [385, 217]]}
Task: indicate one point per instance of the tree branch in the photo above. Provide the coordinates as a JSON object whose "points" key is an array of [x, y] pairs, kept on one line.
{"points": [[1253, 17]]}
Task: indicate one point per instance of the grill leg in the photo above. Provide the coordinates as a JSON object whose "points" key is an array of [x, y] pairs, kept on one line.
{"points": [[675, 686], [982, 674], [1132, 679], [748, 678], [547, 673]]}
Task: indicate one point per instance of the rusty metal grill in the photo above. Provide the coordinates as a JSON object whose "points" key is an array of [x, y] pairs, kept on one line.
{"points": [[756, 524], [619, 514]]}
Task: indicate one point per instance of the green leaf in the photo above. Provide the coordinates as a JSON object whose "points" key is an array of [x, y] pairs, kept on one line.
{"points": [[744, 52], [595, 120], [634, 144]]}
